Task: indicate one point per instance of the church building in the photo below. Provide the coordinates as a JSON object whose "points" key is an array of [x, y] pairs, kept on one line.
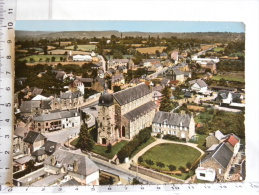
{"points": [[123, 114]]}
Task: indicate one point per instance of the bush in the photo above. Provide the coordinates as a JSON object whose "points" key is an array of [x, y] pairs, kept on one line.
{"points": [[171, 167], [140, 159], [160, 164], [158, 135], [149, 162], [189, 165], [182, 169]]}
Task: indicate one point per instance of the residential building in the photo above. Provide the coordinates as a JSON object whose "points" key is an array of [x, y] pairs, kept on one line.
{"points": [[220, 160], [72, 165], [227, 97], [82, 58], [183, 66], [198, 85], [116, 63], [56, 121], [123, 114], [178, 75], [212, 66], [174, 56], [180, 125], [68, 100], [33, 141], [77, 85], [214, 138], [18, 144]]}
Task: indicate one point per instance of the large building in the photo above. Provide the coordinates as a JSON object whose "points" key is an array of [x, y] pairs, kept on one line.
{"points": [[123, 114], [180, 125]]}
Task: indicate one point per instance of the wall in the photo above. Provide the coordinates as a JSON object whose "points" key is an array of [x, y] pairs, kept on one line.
{"points": [[156, 175]]}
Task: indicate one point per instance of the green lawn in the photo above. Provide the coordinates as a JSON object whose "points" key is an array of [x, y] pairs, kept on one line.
{"points": [[218, 49], [200, 140], [115, 149], [151, 140], [228, 78], [43, 58], [175, 154], [83, 47]]}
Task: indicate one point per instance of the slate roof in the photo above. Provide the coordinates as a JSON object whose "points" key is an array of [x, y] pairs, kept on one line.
{"points": [[20, 131], [223, 94], [46, 104], [187, 94], [60, 74], [165, 81], [200, 82], [23, 160], [56, 115], [36, 91], [28, 106], [222, 154], [157, 88], [172, 118], [177, 71], [46, 181], [38, 152], [33, 136], [117, 77], [128, 95], [71, 95], [183, 64], [50, 147], [71, 182], [140, 111], [85, 165], [86, 80]]}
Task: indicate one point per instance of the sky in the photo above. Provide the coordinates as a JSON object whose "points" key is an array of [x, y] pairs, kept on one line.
{"points": [[127, 26]]}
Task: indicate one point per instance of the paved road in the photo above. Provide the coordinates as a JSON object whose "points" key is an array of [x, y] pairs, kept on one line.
{"points": [[62, 136], [103, 63]]}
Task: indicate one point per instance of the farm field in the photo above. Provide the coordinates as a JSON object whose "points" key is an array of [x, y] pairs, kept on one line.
{"points": [[218, 49], [230, 77], [82, 47], [170, 154], [150, 50], [43, 58]]}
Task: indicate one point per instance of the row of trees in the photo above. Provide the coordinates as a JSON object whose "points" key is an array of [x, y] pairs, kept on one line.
{"points": [[159, 164], [139, 139]]}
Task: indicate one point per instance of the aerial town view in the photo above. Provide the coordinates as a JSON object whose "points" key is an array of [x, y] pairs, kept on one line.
{"points": [[114, 107]]}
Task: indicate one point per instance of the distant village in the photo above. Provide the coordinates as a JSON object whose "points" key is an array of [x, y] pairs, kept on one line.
{"points": [[128, 110]]}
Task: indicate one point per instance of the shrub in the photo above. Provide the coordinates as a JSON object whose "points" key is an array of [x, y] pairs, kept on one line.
{"points": [[140, 159], [160, 164], [182, 169], [189, 165], [171, 167], [149, 162]]}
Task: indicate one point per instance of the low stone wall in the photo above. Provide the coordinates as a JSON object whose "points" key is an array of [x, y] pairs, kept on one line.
{"points": [[156, 175]]}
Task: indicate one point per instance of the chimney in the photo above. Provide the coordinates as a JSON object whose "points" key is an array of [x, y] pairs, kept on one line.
{"points": [[53, 160], [75, 165]]}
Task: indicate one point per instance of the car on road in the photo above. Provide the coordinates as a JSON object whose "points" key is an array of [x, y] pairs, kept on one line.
{"points": [[93, 108]]}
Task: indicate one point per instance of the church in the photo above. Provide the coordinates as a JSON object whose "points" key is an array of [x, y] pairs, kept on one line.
{"points": [[123, 114]]}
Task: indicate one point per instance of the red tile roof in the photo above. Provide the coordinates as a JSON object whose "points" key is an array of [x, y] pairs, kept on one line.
{"points": [[232, 140]]}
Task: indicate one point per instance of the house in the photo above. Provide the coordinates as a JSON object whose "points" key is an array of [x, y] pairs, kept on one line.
{"points": [[183, 66], [163, 55], [226, 97], [157, 97], [214, 138], [69, 100], [155, 67], [180, 125], [174, 56], [178, 75], [77, 85], [118, 80], [88, 82], [18, 136], [149, 62], [212, 66], [56, 121], [116, 63], [207, 174], [48, 148], [29, 108], [72, 165], [165, 82], [220, 160], [198, 85], [82, 58], [233, 143], [33, 141]]}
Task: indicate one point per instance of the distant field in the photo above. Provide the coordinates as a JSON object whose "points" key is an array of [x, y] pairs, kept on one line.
{"points": [[206, 46], [62, 52], [42, 57], [239, 54], [231, 77], [150, 50], [218, 49], [83, 47]]}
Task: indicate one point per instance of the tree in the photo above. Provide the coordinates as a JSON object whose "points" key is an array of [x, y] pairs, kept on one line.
{"points": [[45, 50], [182, 169], [167, 104], [140, 159], [171, 167], [149, 162], [160, 164], [75, 47], [53, 59], [109, 148], [189, 165], [85, 141], [61, 59], [135, 181]]}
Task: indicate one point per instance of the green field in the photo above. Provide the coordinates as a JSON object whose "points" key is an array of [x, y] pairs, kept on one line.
{"points": [[43, 58], [203, 117], [218, 49], [229, 78], [115, 149], [238, 54], [175, 154], [82, 47]]}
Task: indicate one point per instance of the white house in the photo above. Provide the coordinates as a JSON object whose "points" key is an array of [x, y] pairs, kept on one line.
{"points": [[198, 85], [82, 58], [202, 60], [207, 174]]}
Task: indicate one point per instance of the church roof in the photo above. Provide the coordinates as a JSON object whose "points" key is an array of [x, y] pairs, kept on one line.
{"points": [[105, 99], [131, 94], [140, 111]]}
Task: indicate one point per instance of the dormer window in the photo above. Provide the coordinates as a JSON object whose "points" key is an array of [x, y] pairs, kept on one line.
{"points": [[165, 121], [58, 163], [70, 167]]}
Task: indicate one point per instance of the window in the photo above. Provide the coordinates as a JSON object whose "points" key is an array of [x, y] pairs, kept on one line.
{"points": [[202, 174], [47, 124], [38, 124]]}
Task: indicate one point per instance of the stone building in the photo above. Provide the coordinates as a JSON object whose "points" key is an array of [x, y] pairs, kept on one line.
{"points": [[123, 114], [180, 125]]}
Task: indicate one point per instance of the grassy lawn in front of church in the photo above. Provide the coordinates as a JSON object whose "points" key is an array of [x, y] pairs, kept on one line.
{"points": [[101, 150]]}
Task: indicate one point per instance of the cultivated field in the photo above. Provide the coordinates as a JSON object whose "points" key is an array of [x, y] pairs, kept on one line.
{"points": [[43, 58], [150, 50], [231, 76], [82, 47], [218, 49]]}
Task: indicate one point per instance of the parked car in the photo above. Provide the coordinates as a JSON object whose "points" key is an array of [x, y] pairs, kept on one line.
{"points": [[93, 108]]}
